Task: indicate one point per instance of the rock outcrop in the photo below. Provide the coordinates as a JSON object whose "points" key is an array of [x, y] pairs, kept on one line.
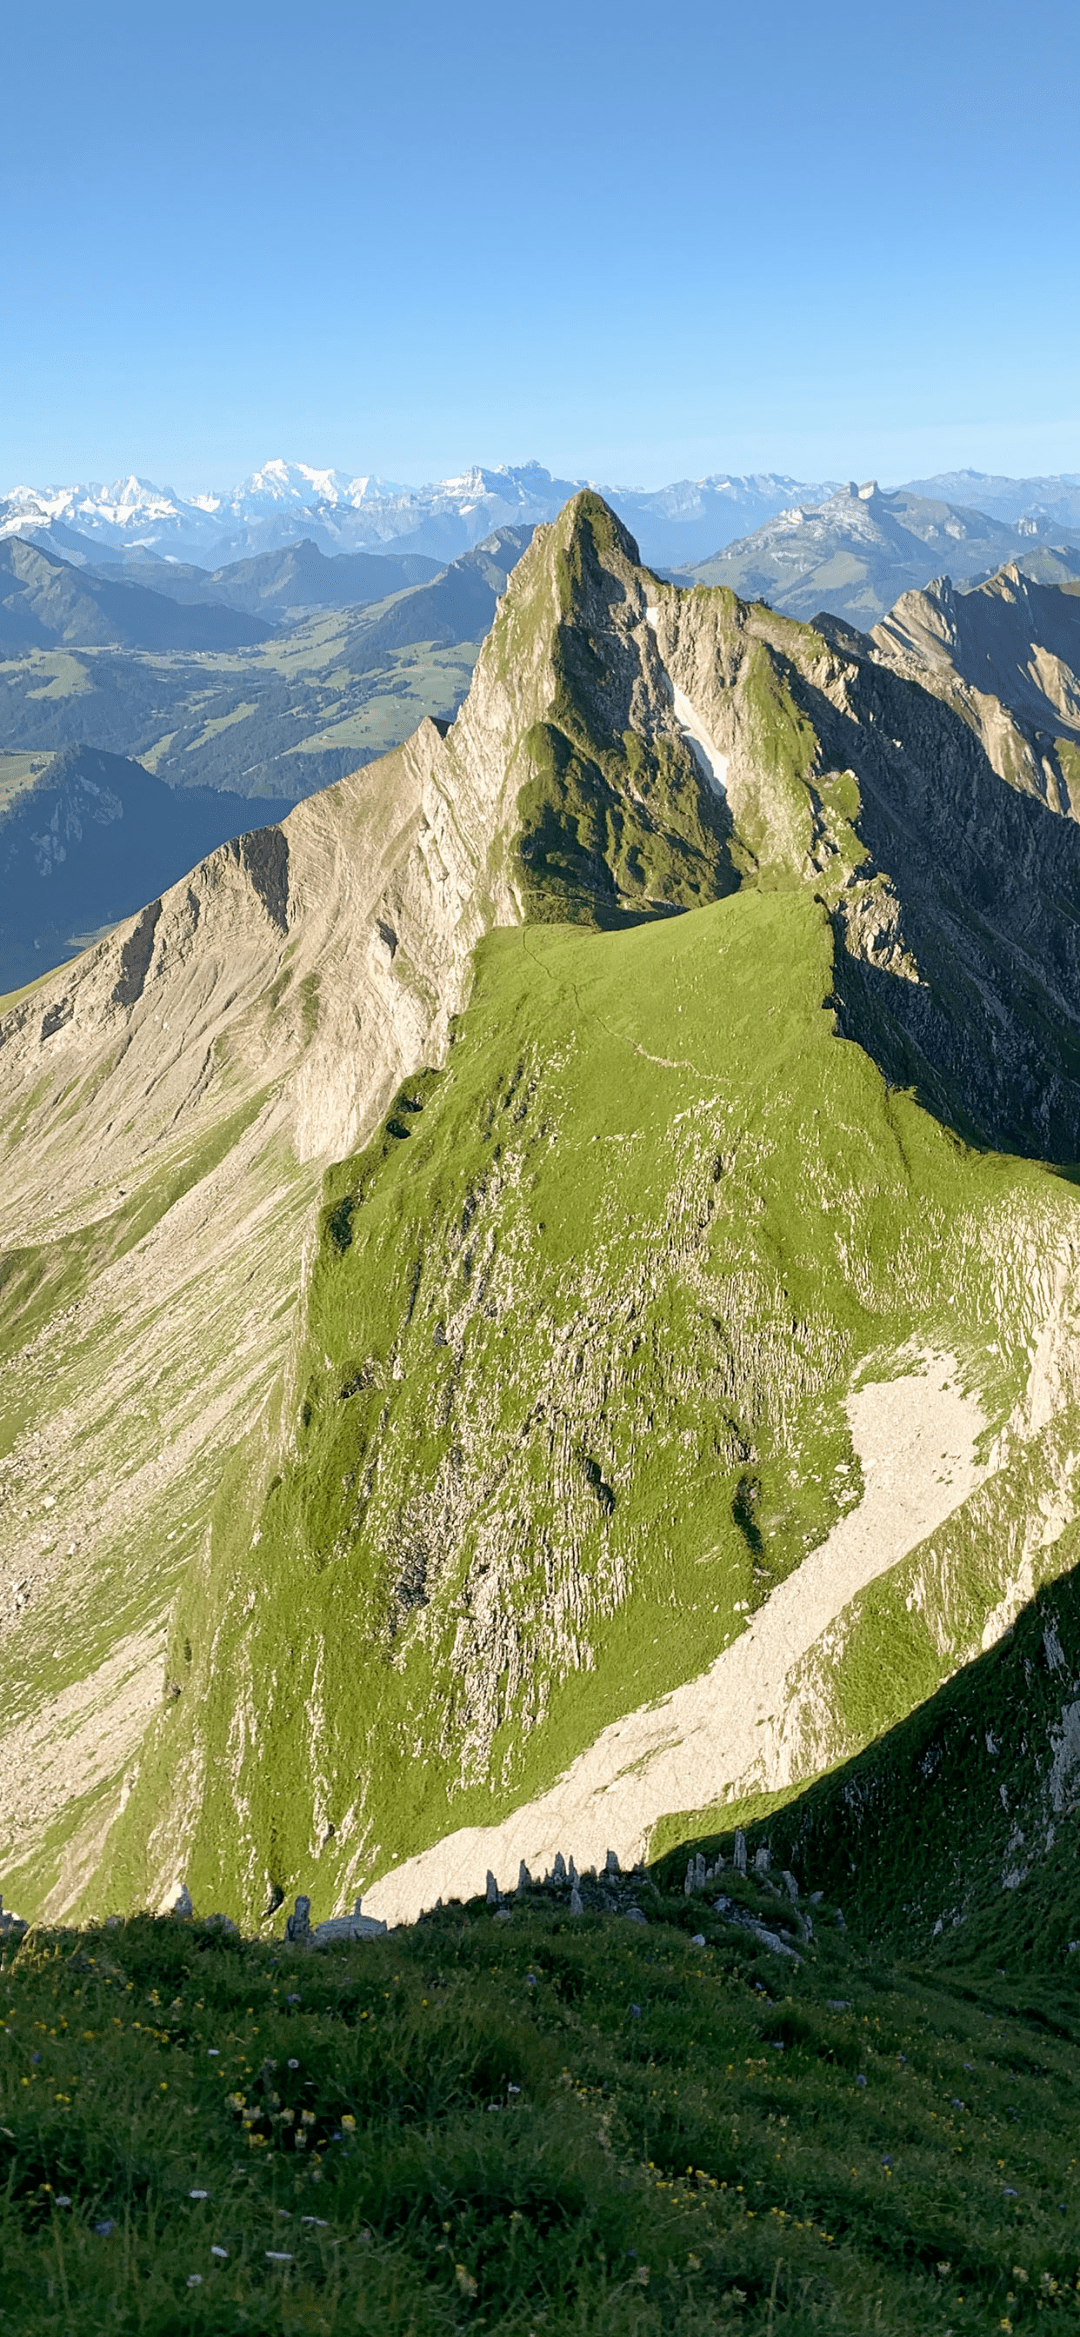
{"points": [[1006, 656]]}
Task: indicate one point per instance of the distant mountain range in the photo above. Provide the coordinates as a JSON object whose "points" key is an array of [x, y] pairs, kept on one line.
{"points": [[136, 522], [45, 602], [284, 501], [855, 553], [277, 584], [1055, 497]]}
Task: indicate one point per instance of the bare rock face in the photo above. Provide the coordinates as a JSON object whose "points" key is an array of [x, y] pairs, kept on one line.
{"points": [[855, 767], [1006, 655], [298, 1925], [354, 1926]]}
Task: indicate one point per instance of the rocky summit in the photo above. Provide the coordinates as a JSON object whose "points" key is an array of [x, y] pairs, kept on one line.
{"points": [[540, 1291]]}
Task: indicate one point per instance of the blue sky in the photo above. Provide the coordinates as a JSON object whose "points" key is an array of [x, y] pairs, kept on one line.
{"points": [[635, 242]]}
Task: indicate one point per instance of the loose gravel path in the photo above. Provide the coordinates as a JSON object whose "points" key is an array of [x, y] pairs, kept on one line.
{"points": [[722, 1733]]}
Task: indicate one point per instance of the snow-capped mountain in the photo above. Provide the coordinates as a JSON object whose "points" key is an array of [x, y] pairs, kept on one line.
{"points": [[135, 511], [283, 501]]}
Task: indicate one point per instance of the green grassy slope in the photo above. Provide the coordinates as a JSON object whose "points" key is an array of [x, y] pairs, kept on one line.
{"points": [[570, 1396], [122, 1373], [541, 2124], [567, 1399]]}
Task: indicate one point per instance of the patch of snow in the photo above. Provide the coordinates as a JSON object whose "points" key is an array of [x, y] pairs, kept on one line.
{"points": [[706, 752]]}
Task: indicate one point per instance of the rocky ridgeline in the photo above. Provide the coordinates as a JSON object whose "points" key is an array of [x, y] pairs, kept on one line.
{"points": [[772, 1912]]}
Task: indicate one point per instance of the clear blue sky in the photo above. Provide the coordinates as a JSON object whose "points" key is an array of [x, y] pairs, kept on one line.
{"points": [[637, 242]]}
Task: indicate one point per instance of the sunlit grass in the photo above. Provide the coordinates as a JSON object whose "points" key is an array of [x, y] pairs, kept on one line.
{"points": [[546, 2123]]}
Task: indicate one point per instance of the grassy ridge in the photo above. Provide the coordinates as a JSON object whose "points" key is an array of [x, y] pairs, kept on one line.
{"points": [[542, 2124], [570, 1398]]}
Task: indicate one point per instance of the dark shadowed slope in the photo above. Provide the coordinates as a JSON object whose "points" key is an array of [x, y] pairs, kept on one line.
{"points": [[86, 840]]}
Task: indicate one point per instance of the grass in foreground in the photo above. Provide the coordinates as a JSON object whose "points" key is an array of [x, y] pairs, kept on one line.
{"points": [[534, 2124]]}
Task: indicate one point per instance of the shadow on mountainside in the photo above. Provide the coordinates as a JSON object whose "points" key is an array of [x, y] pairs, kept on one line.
{"points": [[989, 882], [958, 1832]]}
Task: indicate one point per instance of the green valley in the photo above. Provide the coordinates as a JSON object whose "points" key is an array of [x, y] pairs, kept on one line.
{"points": [[288, 712]]}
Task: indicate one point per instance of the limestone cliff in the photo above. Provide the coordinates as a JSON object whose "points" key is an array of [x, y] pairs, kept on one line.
{"points": [[1006, 655]]}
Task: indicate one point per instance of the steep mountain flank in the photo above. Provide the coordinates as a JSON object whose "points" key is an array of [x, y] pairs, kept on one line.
{"points": [[1007, 654], [570, 1405], [957, 1834], [616, 817], [84, 838], [168, 1104], [956, 900], [633, 1268]]}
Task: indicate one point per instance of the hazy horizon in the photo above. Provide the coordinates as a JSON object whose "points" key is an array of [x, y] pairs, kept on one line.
{"points": [[161, 478]]}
